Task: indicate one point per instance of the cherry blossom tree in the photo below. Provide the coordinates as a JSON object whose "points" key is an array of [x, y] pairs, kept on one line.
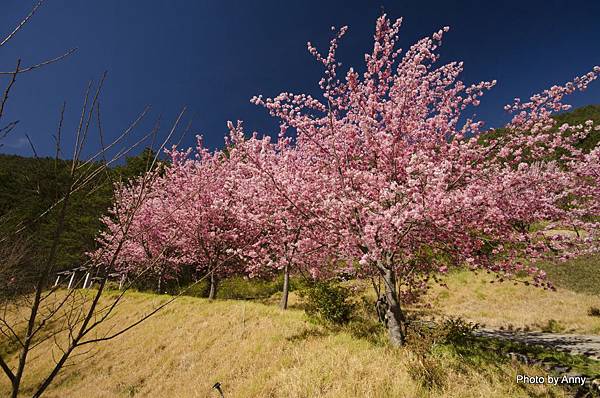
{"points": [[404, 185], [147, 247], [277, 198], [211, 232], [385, 175], [188, 219]]}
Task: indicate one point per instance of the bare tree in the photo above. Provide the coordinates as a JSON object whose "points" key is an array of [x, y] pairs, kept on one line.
{"points": [[36, 312], [26, 319], [70, 319]]}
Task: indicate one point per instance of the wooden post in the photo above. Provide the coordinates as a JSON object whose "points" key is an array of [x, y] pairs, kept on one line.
{"points": [[87, 277], [71, 280], [57, 280], [122, 282]]}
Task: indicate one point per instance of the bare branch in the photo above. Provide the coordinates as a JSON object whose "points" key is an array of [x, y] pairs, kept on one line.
{"points": [[10, 84], [57, 137], [35, 155], [5, 131], [41, 64], [9, 373], [21, 24]]}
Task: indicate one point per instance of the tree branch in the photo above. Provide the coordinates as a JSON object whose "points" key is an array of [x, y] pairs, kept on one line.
{"points": [[21, 24]]}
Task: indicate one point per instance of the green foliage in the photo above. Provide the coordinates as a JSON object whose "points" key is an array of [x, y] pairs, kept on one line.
{"points": [[135, 165], [581, 274], [328, 302], [579, 116], [242, 288], [553, 326], [238, 287], [198, 289], [30, 188]]}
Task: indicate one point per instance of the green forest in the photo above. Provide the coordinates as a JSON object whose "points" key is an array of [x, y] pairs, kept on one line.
{"points": [[31, 186]]}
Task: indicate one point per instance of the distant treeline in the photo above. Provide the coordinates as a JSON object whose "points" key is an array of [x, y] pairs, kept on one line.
{"points": [[580, 115], [29, 187], [573, 117]]}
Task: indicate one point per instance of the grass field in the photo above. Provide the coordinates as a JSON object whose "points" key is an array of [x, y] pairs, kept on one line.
{"points": [[581, 274], [513, 306], [256, 350]]}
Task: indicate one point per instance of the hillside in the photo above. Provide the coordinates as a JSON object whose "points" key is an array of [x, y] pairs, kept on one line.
{"points": [[580, 115], [256, 350], [30, 186], [507, 305]]}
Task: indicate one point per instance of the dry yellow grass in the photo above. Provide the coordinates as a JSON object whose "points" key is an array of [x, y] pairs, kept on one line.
{"points": [[256, 350], [505, 304]]}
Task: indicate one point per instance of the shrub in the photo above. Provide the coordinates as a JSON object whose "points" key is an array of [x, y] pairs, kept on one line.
{"points": [[594, 311], [424, 336], [553, 326], [329, 302], [458, 331], [240, 288]]}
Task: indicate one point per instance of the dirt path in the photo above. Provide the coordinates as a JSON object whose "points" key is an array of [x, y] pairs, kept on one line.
{"points": [[588, 345]]}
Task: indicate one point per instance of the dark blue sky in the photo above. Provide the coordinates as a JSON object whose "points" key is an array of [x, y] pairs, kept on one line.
{"points": [[213, 56]]}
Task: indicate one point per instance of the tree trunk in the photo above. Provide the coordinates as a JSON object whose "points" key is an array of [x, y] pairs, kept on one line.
{"points": [[396, 322], [212, 294], [286, 287]]}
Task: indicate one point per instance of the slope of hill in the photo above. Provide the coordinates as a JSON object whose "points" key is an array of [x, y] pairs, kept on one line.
{"points": [[256, 350], [30, 186], [580, 115], [506, 305], [574, 117]]}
